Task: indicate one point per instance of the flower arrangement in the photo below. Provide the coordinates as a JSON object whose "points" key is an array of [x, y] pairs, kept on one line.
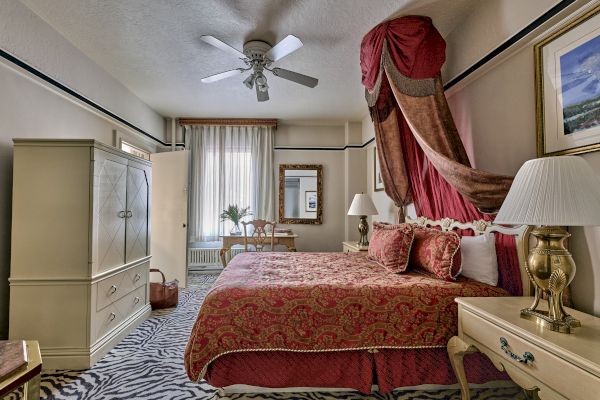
{"points": [[235, 214]]}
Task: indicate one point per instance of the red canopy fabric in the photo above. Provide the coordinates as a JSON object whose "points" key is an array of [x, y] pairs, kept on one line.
{"points": [[401, 61], [422, 158], [416, 48]]}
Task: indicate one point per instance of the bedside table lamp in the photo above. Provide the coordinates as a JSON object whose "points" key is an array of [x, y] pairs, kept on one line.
{"points": [[362, 205], [550, 193]]}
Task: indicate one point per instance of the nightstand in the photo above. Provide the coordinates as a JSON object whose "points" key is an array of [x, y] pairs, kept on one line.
{"points": [[350, 247], [547, 364]]}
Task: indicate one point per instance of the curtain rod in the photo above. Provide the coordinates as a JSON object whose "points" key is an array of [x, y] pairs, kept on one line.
{"points": [[228, 121]]}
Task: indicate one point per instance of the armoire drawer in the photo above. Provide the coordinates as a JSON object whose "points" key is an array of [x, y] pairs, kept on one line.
{"points": [[111, 316], [115, 287], [137, 276]]}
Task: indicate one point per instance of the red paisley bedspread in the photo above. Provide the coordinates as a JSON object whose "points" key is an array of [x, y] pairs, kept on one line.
{"points": [[322, 302]]}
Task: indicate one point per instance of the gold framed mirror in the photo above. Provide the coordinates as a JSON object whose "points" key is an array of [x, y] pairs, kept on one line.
{"points": [[301, 194]]}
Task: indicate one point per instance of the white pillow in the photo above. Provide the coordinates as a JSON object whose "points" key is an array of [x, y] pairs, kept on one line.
{"points": [[479, 260]]}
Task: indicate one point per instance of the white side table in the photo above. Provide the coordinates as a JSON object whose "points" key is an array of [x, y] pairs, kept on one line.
{"points": [[547, 364], [353, 247]]}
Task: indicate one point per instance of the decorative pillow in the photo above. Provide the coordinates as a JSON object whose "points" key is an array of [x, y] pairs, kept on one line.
{"points": [[436, 252], [390, 245], [479, 260]]}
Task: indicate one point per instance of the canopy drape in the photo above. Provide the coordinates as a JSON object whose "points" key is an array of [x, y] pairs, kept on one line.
{"points": [[401, 61], [422, 158]]}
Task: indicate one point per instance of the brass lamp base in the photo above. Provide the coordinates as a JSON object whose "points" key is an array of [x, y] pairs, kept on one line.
{"points": [[363, 229], [551, 269], [541, 317]]}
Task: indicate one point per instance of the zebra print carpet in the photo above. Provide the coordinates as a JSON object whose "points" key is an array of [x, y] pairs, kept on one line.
{"points": [[148, 364]]}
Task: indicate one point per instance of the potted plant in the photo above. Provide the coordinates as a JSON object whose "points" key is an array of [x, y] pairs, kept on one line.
{"points": [[235, 214]]}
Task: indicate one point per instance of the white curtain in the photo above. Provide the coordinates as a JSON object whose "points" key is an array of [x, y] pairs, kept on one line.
{"points": [[229, 165]]}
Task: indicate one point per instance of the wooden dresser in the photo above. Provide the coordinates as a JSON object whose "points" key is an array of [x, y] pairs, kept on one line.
{"points": [[80, 248], [548, 364]]}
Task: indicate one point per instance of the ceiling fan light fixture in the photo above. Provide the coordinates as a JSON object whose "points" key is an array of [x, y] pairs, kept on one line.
{"points": [[261, 82], [261, 79], [249, 81], [263, 88], [258, 56]]}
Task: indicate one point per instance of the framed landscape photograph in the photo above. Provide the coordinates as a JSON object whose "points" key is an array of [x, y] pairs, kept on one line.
{"points": [[377, 181], [310, 201], [567, 71]]}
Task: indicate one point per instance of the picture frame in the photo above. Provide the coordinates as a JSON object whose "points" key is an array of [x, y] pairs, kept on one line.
{"points": [[567, 84], [310, 201], [377, 180]]}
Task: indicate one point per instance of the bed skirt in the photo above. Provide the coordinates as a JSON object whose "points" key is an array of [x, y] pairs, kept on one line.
{"points": [[359, 370]]}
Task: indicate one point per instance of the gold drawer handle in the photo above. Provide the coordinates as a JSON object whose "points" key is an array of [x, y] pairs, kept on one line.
{"points": [[113, 289], [136, 300], [136, 277], [112, 316], [527, 356]]}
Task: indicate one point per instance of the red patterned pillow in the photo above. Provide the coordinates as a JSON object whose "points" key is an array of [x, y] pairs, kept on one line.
{"points": [[390, 245], [436, 252]]}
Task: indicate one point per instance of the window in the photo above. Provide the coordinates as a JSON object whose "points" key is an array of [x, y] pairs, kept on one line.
{"points": [[231, 165], [136, 151]]}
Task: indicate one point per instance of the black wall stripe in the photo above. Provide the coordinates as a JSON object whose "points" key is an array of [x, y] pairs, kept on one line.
{"points": [[78, 96], [348, 146], [511, 41]]}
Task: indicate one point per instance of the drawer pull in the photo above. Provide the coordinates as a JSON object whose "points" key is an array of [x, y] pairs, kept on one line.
{"points": [[113, 289], [527, 356], [136, 277], [112, 316], [136, 300]]}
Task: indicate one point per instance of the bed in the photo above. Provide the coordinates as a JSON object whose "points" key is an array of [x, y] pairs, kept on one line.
{"points": [[335, 320]]}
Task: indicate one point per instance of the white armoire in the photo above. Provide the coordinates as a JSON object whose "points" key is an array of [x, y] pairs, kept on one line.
{"points": [[80, 248]]}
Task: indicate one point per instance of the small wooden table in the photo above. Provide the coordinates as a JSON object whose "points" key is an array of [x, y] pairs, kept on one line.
{"points": [[547, 364], [29, 376], [231, 240]]}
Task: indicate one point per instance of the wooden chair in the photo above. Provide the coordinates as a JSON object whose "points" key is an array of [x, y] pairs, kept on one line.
{"points": [[259, 236]]}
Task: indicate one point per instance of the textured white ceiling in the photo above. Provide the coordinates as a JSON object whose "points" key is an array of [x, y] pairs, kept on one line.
{"points": [[152, 47]]}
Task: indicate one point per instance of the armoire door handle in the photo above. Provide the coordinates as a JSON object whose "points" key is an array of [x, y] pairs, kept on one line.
{"points": [[121, 214], [129, 214]]}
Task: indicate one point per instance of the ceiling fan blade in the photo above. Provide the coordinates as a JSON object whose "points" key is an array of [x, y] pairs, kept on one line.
{"points": [[262, 95], [222, 75], [288, 45], [213, 41], [295, 77]]}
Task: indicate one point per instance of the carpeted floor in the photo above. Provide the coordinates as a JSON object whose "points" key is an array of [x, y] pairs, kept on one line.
{"points": [[148, 364]]}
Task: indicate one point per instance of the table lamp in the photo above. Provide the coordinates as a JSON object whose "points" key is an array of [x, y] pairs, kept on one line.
{"points": [[551, 193], [362, 205]]}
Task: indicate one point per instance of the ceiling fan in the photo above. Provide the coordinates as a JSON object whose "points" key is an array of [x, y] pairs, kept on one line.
{"points": [[258, 57]]}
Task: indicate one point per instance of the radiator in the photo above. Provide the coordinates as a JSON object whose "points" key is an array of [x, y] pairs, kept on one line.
{"points": [[199, 257]]}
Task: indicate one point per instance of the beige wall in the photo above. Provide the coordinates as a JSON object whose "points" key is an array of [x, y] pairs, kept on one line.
{"points": [[476, 36], [341, 177], [495, 114], [388, 212], [30, 109], [31, 39]]}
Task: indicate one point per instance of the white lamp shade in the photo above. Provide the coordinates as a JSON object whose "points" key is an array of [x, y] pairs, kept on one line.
{"points": [[555, 191], [362, 205]]}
